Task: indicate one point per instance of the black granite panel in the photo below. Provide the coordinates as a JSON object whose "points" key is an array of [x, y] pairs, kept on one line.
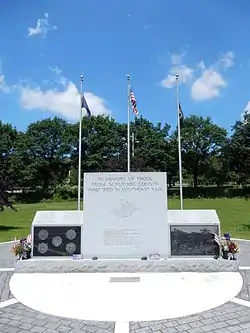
{"points": [[193, 240], [56, 241]]}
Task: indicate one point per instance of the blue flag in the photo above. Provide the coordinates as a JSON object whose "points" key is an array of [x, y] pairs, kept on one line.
{"points": [[85, 106]]}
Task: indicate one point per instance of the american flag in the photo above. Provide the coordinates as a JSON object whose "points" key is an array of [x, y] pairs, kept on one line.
{"points": [[216, 239], [29, 239], [133, 102]]}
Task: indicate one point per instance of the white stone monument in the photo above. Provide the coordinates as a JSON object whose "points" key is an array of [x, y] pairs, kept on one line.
{"points": [[125, 215], [57, 233], [192, 232]]}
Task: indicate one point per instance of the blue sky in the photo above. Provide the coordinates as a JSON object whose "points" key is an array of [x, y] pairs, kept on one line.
{"points": [[46, 45]]}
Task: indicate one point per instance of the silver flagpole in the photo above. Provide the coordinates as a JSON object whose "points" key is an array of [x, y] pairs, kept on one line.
{"points": [[128, 127], [133, 143], [179, 138], [80, 147]]}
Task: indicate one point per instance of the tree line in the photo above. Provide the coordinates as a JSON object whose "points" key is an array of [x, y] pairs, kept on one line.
{"points": [[44, 158]]}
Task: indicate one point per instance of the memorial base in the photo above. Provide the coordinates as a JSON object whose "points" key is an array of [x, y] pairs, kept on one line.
{"points": [[126, 266]]}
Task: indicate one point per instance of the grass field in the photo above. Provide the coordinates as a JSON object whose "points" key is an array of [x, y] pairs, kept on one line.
{"points": [[234, 215]]}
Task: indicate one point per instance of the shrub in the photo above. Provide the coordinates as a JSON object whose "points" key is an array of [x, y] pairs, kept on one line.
{"points": [[65, 192]]}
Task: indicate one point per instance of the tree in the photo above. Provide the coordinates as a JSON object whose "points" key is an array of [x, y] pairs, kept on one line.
{"points": [[201, 140], [100, 143], [47, 153], [6, 187], [8, 136], [239, 151], [153, 146], [42, 154], [217, 171]]}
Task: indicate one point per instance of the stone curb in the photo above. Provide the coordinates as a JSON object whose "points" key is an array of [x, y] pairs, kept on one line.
{"points": [[126, 266]]}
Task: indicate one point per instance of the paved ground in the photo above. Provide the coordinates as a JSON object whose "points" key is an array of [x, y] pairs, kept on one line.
{"points": [[230, 317], [4, 286], [6, 257]]}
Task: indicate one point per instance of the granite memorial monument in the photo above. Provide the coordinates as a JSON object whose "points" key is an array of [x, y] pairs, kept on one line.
{"points": [[56, 233], [125, 215]]}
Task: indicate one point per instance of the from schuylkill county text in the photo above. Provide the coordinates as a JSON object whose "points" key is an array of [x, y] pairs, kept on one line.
{"points": [[125, 184]]}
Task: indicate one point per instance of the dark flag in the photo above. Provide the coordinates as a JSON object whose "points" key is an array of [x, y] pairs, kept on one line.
{"points": [[181, 116], [85, 106]]}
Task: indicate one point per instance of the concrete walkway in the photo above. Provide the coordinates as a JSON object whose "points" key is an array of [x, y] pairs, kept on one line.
{"points": [[233, 316]]}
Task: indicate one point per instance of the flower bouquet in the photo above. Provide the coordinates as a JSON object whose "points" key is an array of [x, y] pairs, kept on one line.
{"points": [[22, 248], [228, 248], [154, 256]]}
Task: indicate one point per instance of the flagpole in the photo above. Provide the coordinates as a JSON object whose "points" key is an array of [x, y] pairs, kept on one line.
{"points": [[133, 143], [128, 127], [179, 138], [80, 147]]}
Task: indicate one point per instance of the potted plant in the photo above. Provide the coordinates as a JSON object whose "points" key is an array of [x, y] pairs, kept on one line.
{"points": [[17, 250], [22, 248], [224, 248], [229, 248], [233, 248]]}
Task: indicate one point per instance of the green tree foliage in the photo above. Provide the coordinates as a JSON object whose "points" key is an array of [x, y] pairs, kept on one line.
{"points": [[8, 140], [151, 144], [202, 140], [239, 151], [45, 156], [42, 156], [101, 142]]}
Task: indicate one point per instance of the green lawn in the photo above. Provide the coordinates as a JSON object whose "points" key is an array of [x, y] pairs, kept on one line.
{"points": [[234, 215]]}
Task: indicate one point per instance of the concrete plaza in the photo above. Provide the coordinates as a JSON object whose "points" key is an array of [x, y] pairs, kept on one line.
{"points": [[234, 316]]}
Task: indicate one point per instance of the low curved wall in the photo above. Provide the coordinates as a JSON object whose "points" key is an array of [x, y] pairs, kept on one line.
{"points": [[125, 266]]}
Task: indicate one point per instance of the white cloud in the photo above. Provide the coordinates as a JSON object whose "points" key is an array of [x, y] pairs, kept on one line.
{"points": [[64, 102], [210, 80], [55, 70], [246, 111], [208, 85], [185, 72], [2, 80], [3, 86], [247, 108], [42, 27], [227, 60], [60, 79], [176, 59]]}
